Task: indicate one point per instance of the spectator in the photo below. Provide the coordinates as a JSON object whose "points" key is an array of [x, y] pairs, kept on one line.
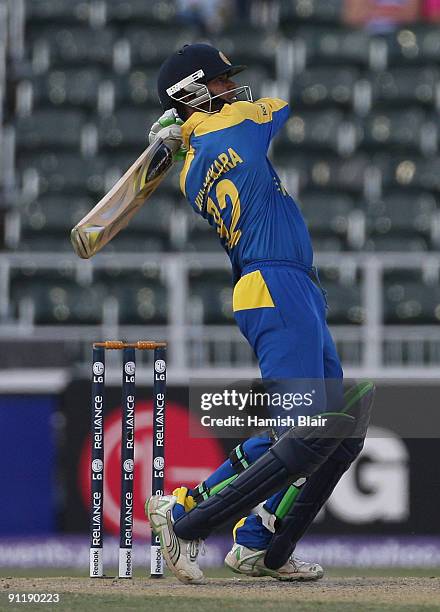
{"points": [[243, 10], [380, 15], [431, 10], [207, 15]]}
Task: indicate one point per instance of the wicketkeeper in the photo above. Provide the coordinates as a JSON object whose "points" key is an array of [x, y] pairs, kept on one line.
{"points": [[279, 307]]}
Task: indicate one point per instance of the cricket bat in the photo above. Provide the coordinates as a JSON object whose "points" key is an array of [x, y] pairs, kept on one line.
{"points": [[125, 198]]}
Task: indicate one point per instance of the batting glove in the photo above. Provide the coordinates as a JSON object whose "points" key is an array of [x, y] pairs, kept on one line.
{"points": [[168, 128]]}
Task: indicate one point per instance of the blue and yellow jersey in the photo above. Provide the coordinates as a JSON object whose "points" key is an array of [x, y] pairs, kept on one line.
{"points": [[228, 179]]}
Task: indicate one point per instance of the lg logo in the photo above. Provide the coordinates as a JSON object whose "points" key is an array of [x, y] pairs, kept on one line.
{"points": [[376, 487], [159, 366], [159, 463], [97, 465], [98, 368], [130, 368], [128, 465]]}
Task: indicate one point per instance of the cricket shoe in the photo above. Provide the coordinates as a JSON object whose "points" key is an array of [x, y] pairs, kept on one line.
{"points": [[180, 555], [250, 562]]}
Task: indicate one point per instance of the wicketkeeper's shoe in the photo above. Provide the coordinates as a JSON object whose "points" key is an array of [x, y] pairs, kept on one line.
{"points": [[180, 555], [250, 562]]}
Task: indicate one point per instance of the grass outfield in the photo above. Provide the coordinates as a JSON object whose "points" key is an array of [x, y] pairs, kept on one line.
{"points": [[342, 590]]}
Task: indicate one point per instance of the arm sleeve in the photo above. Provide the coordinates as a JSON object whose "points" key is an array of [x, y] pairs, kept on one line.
{"points": [[268, 114], [273, 112]]}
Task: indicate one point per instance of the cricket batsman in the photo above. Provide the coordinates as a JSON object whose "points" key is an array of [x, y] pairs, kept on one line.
{"points": [[279, 307]]}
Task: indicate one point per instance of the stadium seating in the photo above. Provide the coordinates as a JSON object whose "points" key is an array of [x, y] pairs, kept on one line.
{"points": [[326, 12], [408, 299], [410, 172], [62, 47], [126, 129], [149, 13], [328, 172], [210, 298], [343, 295], [400, 131], [137, 88], [360, 152], [328, 214], [399, 244], [62, 12], [74, 88], [311, 131], [318, 46], [62, 173], [140, 296], [322, 87], [403, 86], [54, 298], [257, 48], [401, 214], [49, 129], [201, 237], [150, 47], [419, 46]]}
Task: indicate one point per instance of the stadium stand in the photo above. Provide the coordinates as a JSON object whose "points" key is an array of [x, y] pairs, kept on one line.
{"points": [[360, 152], [210, 297]]}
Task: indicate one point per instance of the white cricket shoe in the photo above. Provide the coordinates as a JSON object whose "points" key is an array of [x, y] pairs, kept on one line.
{"points": [[180, 555], [250, 562]]}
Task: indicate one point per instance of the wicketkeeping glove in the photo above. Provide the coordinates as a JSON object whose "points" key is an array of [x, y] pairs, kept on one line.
{"points": [[167, 127]]}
